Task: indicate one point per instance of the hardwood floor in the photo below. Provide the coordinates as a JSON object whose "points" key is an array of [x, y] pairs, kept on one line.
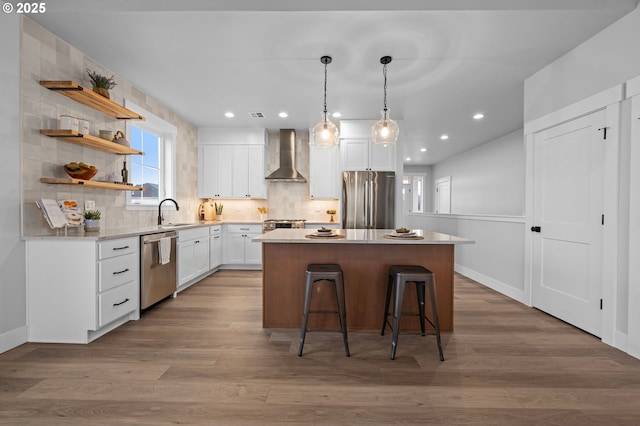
{"points": [[203, 358]]}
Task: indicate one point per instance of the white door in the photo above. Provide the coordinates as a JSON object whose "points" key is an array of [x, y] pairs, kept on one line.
{"points": [[443, 195], [568, 206]]}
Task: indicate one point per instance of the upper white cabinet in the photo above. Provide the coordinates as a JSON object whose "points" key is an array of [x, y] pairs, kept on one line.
{"points": [[358, 152], [215, 171], [363, 154], [323, 172], [231, 163]]}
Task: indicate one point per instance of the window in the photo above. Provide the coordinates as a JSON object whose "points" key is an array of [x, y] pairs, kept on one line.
{"points": [[155, 170]]}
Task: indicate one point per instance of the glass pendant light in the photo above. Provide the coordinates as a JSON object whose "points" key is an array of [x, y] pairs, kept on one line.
{"points": [[325, 133], [385, 131]]}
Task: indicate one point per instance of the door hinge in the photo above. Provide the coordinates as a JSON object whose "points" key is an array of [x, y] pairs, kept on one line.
{"points": [[600, 304], [603, 219], [604, 133]]}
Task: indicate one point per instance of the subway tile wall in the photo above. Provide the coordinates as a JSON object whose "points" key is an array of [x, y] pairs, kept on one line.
{"points": [[46, 57], [286, 200]]}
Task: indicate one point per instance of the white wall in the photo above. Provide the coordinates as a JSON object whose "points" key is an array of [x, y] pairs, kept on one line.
{"points": [[488, 179], [610, 57], [12, 254], [487, 205]]}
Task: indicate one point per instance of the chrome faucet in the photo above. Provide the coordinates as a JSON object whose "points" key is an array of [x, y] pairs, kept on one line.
{"points": [[160, 206]]}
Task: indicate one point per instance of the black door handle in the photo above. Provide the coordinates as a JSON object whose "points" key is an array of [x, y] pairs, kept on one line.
{"points": [[535, 229]]}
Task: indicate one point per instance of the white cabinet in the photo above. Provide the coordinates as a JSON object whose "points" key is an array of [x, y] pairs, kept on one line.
{"points": [[78, 290], [324, 172], [215, 246], [364, 154], [231, 163], [215, 171], [248, 172], [193, 255], [239, 250]]}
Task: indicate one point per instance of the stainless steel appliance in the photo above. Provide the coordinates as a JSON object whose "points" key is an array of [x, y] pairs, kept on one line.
{"points": [[271, 224], [368, 200], [157, 280], [287, 171]]}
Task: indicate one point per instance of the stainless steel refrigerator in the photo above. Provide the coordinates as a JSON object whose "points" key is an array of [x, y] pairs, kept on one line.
{"points": [[368, 200]]}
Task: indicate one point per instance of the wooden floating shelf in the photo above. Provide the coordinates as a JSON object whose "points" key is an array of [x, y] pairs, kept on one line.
{"points": [[76, 137], [90, 98], [90, 183]]}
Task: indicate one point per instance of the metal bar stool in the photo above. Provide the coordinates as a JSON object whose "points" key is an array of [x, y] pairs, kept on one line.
{"points": [[324, 272], [399, 275]]}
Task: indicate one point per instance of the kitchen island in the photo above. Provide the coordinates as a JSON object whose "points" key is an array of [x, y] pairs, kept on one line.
{"points": [[364, 255]]}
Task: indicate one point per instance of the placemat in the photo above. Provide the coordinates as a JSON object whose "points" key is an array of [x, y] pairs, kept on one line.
{"points": [[328, 237], [412, 237]]}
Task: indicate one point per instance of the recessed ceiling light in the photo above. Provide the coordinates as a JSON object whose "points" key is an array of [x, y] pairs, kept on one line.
{"points": [[423, 149], [478, 116], [336, 114], [444, 137], [229, 114], [283, 114], [408, 159]]}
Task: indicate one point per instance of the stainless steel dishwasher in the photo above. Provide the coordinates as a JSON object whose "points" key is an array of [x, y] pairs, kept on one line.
{"points": [[157, 280]]}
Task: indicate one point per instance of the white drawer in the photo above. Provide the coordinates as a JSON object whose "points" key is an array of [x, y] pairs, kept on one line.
{"points": [[118, 247], [117, 302], [244, 229], [116, 271], [193, 233], [215, 230]]}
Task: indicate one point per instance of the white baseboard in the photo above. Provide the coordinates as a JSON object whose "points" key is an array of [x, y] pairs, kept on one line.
{"points": [[620, 341], [13, 338], [492, 283]]}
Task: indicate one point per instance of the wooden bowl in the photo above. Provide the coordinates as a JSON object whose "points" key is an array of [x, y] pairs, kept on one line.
{"points": [[324, 230], [403, 231], [84, 173]]}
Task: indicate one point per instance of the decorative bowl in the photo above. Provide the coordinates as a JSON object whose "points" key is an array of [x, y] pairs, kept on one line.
{"points": [[324, 230], [403, 231], [80, 170]]}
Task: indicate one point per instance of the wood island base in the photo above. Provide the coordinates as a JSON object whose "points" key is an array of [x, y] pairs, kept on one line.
{"points": [[365, 274]]}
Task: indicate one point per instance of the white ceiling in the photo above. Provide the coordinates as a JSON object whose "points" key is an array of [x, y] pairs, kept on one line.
{"points": [[451, 58]]}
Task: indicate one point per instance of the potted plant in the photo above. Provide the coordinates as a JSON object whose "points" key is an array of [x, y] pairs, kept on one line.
{"points": [[101, 84], [218, 208], [92, 220]]}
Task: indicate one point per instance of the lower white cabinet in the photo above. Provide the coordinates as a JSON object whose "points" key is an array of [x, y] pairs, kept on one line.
{"points": [[80, 289], [239, 251], [193, 255], [215, 246]]}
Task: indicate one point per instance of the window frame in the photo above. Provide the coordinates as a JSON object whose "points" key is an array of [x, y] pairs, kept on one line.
{"points": [[168, 134]]}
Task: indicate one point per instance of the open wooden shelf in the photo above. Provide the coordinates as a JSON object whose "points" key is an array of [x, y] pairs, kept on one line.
{"points": [[76, 137], [90, 183], [88, 97]]}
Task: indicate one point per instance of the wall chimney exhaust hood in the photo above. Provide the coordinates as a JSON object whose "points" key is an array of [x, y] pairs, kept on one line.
{"points": [[287, 171]]}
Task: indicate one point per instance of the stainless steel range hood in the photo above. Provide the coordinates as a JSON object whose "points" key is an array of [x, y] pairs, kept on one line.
{"points": [[287, 171]]}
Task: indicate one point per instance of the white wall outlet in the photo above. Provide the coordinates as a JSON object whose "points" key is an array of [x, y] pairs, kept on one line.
{"points": [[89, 205]]}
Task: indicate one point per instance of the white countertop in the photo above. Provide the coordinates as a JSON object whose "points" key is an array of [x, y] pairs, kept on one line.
{"points": [[358, 236], [78, 233]]}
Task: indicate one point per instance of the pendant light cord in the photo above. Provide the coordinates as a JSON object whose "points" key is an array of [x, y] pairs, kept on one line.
{"points": [[384, 73], [325, 91]]}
